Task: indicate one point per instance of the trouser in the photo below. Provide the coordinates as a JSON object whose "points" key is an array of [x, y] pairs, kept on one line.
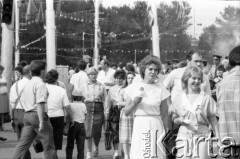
{"points": [[30, 131], [77, 131], [18, 124]]}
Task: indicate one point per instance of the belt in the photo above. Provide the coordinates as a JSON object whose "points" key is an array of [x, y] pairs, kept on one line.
{"points": [[18, 110], [147, 115]]}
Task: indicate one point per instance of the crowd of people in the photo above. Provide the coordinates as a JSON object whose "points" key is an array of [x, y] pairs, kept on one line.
{"points": [[134, 105]]}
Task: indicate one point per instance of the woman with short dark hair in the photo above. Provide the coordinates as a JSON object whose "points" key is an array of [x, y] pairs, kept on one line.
{"points": [[113, 109], [147, 100], [57, 101]]}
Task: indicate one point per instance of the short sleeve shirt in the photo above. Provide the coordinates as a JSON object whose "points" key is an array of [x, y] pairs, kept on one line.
{"points": [[35, 92], [57, 100]]}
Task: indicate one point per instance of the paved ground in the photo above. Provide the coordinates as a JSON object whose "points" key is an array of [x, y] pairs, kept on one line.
{"points": [[7, 147]]}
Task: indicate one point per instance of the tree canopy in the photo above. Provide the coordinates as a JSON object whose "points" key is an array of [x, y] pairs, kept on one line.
{"points": [[123, 30]]}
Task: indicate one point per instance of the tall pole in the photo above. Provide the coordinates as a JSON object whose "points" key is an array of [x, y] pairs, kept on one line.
{"points": [[96, 51], [17, 54], [83, 44], [155, 32], [50, 35]]}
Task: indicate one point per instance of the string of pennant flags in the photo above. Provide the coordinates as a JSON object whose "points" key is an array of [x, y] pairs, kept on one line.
{"points": [[42, 51]]}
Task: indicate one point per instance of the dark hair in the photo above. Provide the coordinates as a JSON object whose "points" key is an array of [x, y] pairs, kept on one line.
{"points": [[234, 57], [120, 73], [191, 53], [19, 69], [120, 65], [221, 68], [1, 68], [26, 70], [130, 68], [106, 62], [22, 63], [148, 60], [51, 76], [82, 64], [188, 73], [37, 66], [125, 84], [113, 64]]}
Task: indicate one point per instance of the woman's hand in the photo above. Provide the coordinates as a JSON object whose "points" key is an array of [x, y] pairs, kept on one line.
{"points": [[97, 99], [137, 100], [186, 122]]}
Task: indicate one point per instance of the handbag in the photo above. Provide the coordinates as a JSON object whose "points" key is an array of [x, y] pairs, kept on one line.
{"points": [[168, 139], [108, 138], [37, 145]]}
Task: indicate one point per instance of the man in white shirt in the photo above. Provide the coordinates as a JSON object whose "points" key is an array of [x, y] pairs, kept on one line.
{"points": [[105, 76], [16, 103], [36, 120], [173, 80], [79, 81]]}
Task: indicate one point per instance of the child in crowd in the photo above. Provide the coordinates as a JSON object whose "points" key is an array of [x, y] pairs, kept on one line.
{"points": [[76, 130]]}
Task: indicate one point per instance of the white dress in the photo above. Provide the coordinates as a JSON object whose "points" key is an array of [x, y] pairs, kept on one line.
{"points": [[148, 127]]}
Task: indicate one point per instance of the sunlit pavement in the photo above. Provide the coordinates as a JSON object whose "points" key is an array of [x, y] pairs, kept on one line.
{"points": [[7, 147]]}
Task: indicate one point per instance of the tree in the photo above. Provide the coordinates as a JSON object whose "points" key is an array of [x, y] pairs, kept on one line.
{"points": [[221, 38]]}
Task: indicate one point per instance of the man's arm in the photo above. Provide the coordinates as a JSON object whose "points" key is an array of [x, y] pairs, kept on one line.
{"points": [[40, 112]]}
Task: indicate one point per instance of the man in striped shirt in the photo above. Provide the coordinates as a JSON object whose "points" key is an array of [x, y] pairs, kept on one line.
{"points": [[228, 98]]}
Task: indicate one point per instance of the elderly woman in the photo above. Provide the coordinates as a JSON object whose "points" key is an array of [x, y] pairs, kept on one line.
{"points": [[113, 109], [94, 97], [195, 112], [57, 101], [4, 103], [126, 122], [147, 100]]}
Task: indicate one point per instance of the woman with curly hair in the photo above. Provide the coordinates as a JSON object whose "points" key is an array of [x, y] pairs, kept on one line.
{"points": [[147, 100]]}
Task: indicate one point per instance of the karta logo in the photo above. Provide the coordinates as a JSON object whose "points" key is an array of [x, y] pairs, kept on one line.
{"points": [[152, 146]]}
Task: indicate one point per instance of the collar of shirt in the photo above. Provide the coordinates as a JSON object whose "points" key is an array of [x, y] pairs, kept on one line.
{"points": [[91, 83], [36, 78], [235, 69]]}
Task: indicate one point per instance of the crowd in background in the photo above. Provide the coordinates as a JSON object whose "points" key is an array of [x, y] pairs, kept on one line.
{"points": [[125, 102]]}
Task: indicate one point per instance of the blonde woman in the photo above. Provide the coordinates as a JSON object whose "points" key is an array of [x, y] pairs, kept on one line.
{"points": [[195, 112], [94, 97]]}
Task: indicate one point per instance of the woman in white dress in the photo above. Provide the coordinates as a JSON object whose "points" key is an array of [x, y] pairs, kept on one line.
{"points": [[195, 112], [148, 101]]}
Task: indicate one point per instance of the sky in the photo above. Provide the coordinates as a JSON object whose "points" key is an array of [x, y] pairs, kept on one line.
{"points": [[205, 11]]}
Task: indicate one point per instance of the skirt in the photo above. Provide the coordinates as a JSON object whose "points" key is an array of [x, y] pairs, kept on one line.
{"points": [[4, 104], [125, 128], [113, 122], [193, 148], [146, 138], [58, 125], [94, 119]]}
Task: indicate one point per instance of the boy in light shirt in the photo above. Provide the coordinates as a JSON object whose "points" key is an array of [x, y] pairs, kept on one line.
{"points": [[76, 130]]}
